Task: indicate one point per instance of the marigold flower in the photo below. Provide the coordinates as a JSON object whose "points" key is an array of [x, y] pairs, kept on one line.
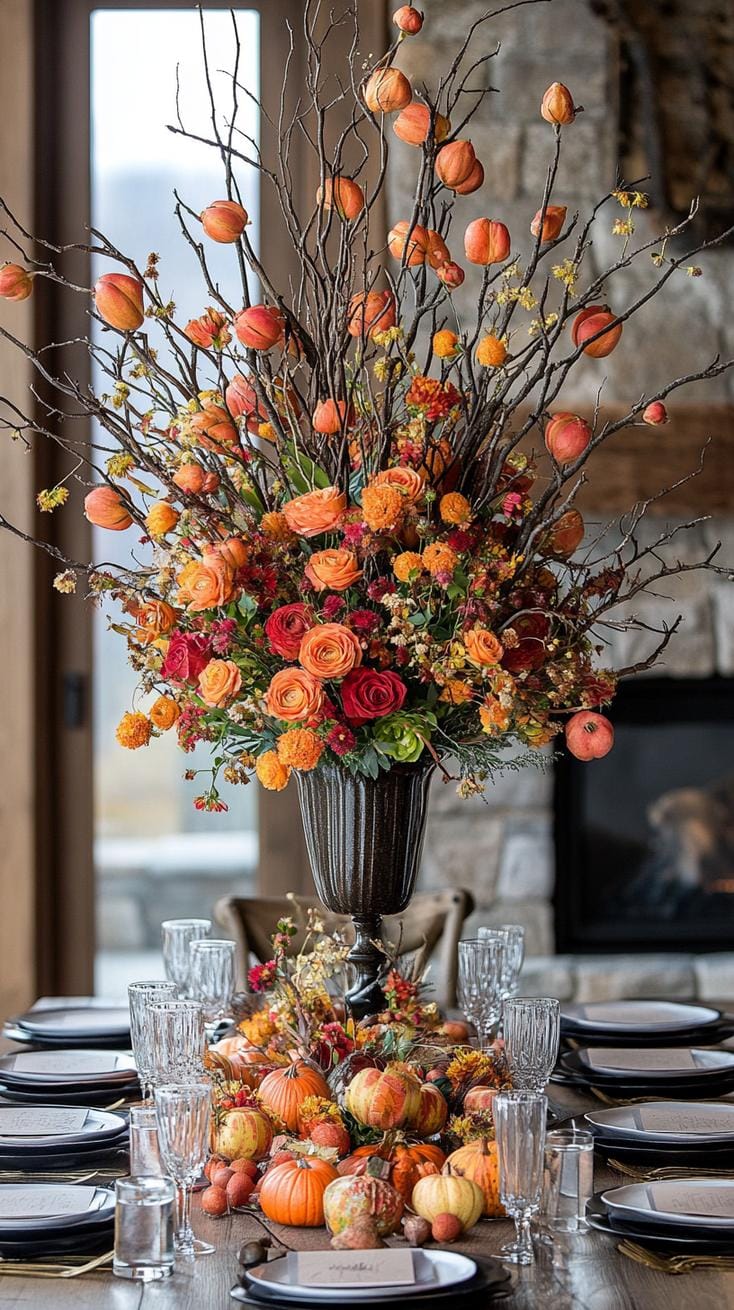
{"points": [[491, 352], [410, 482], [454, 508], [483, 647], [163, 713], [270, 772], [133, 731], [219, 682], [161, 518], [330, 650], [315, 512], [456, 692], [439, 558], [493, 716], [445, 344], [300, 748], [383, 508], [294, 695], [332, 570], [274, 525], [407, 564]]}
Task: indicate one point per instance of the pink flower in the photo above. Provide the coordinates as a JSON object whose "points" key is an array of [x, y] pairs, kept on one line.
{"points": [[333, 606], [341, 739], [222, 634], [511, 505], [364, 621], [380, 587], [188, 653], [261, 976], [353, 534]]}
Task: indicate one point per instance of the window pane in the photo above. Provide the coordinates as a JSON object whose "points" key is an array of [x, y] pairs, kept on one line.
{"points": [[155, 855]]}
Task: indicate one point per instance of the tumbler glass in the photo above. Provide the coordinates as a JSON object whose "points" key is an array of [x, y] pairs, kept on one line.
{"points": [[143, 1228], [568, 1179], [145, 1155], [519, 1119], [212, 978], [531, 1027], [184, 1123], [177, 1041], [177, 935], [140, 995], [479, 984]]}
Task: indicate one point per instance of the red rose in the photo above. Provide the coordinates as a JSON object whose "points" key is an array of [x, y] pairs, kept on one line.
{"points": [[286, 628], [188, 653], [367, 694]]}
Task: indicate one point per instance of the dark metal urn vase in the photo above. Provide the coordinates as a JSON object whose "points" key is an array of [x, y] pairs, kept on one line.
{"points": [[364, 838]]}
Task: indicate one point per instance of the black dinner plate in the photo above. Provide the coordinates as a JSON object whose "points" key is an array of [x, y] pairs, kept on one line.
{"points": [[95, 1098], [492, 1282], [679, 1241], [86, 1241], [15, 1033], [718, 1032], [37, 1162], [572, 1062]]}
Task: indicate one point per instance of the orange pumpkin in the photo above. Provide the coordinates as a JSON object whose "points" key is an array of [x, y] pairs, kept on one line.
{"points": [[236, 1069], [293, 1192], [284, 1090], [432, 1111], [478, 1161], [409, 1162], [389, 1099]]}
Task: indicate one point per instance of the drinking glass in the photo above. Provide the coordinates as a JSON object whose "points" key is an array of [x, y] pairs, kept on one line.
{"points": [[184, 1121], [177, 935], [145, 1155], [519, 1120], [531, 1027], [479, 986], [177, 1041], [512, 935], [568, 1179], [140, 995], [143, 1228], [212, 978]]}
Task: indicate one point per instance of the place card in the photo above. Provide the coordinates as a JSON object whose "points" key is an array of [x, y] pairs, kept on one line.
{"points": [[703, 1119], [716, 1202], [76, 1062], [671, 1059], [388, 1268], [40, 1120], [44, 1202]]}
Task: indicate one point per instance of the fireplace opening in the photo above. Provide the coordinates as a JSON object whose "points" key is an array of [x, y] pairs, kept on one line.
{"points": [[645, 837]]}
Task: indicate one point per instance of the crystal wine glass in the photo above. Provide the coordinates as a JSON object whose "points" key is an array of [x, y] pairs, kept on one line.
{"points": [[479, 986], [532, 1028], [177, 1041], [519, 1119], [184, 1121], [176, 936], [212, 978], [140, 995]]}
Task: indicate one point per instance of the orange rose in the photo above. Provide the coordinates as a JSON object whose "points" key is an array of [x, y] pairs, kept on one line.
{"points": [[483, 647], [410, 481], [300, 749], [330, 651], [219, 681], [154, 618], [207, 585], [332, 570], [294, 695], [270, 773], [317, 511], [163, 713]]}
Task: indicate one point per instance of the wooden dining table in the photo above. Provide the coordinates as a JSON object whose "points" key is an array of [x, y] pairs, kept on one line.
{"points": [[584, 1271]]}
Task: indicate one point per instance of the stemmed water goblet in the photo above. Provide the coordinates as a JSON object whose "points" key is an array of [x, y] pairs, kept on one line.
{"points": [[520, 1119], [512, 935], [140, 996], [212, 979], [479, 984], [531, 1027], [177, 1042], [183, 1114], [176, 936]]}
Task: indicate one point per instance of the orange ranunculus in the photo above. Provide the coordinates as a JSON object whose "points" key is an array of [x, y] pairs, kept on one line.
{"points": [[493, 716], [406, 563], [234, 551], [154, 619], [439, 558], [161, 518], [330, 651], [483, 647], [206, 585], [219, 681], [315, 512], [410, 481], [270, 773], [133, 731], [163, 713], [333, 570], [300, 749], [294, 695], [454, 508], [383, 508]]}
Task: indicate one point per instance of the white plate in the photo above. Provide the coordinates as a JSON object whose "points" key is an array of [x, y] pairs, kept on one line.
{"points": [[640, 1016], [99, 1127], [93, 1208], [77, 1021], [650, 1200], [433, 1270], [705, 1121], [643, 1064], [67, 1067]]}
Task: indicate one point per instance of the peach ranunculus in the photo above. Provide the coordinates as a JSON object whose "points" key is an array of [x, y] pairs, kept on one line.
{"points": [[316, 511], [332, 570], [206, 585], [483, 647], [154, 619], [219, 681], [294, 695], [330, 651], [163, 713], [409, 481]]}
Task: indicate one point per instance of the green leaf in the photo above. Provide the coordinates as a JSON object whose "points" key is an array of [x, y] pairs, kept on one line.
{"points": [[250, 497], [303, 474]]}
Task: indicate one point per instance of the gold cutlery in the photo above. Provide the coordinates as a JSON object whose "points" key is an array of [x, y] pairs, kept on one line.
{"points": [[51, 1176], [673, 1264], [68, 1266], [669, 1171]]}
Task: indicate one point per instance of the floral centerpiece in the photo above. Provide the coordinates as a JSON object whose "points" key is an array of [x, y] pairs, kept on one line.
{"points": [[364, 558]]}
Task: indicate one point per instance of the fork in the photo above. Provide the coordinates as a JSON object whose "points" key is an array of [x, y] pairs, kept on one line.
{"points": [[668, 1171], [673, 1264]]}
